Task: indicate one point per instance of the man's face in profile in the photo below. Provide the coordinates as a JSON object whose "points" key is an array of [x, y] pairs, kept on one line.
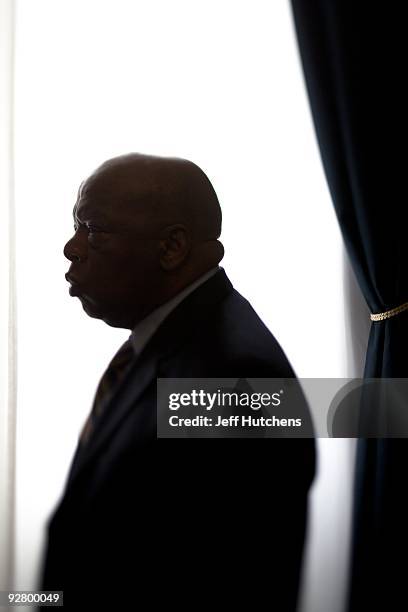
{"points": [[113, 253], [145, 228]]}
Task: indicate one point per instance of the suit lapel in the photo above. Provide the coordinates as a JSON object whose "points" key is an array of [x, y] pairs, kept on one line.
{"points": [[136, 381]]}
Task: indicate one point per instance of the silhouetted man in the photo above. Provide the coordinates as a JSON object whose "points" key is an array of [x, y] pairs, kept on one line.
{"points": [[193, 521]]}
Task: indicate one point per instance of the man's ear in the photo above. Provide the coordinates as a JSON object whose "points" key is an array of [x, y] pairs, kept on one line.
{"points": [[174, 247]]}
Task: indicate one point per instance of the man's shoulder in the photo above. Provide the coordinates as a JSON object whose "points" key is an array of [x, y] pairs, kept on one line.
{"points": [[232, 340]]}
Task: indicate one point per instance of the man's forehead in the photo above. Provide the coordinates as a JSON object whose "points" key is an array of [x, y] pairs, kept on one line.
{"points": [[89, 204], [83, 210], [96, 188], [110, 210]]}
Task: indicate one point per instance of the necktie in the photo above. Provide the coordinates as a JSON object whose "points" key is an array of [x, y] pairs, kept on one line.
{"points": [[109, 382]]}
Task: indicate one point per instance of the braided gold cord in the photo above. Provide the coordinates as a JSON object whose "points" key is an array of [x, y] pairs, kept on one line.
{"points": [[381, 316]]}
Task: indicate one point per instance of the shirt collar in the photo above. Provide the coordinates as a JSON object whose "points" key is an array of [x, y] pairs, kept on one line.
{"points": [[145, 329]]}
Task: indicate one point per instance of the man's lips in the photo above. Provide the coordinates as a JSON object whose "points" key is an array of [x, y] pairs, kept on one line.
{"points": [[70, 279], [74, 289]]}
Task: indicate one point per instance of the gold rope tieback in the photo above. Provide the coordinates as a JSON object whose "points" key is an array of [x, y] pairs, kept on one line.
{"points": [[381, 316]]}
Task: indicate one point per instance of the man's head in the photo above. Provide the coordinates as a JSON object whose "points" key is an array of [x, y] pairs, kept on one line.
{"points": [[145, 228]]}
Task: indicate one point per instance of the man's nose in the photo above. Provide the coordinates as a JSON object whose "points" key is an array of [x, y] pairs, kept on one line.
{"points": [[75, 249]]}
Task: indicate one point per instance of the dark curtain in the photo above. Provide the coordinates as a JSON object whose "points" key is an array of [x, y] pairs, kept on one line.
{"points": [[353, 57]]}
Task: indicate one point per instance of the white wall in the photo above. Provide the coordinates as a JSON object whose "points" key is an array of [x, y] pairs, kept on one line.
{"points": [[216, 81]]}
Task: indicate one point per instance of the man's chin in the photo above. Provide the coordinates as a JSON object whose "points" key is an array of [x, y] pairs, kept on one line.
{"points": [[96, 312], [90, 307]]}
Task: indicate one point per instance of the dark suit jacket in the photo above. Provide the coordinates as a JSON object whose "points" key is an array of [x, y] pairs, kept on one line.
{"points": [[189, 521]]}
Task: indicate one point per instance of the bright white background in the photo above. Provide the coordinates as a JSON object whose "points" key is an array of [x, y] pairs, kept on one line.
{"points": [[216, 81]]}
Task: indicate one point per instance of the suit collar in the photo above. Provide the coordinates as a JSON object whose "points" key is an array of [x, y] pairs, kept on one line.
{"points": [[149, 325]]}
